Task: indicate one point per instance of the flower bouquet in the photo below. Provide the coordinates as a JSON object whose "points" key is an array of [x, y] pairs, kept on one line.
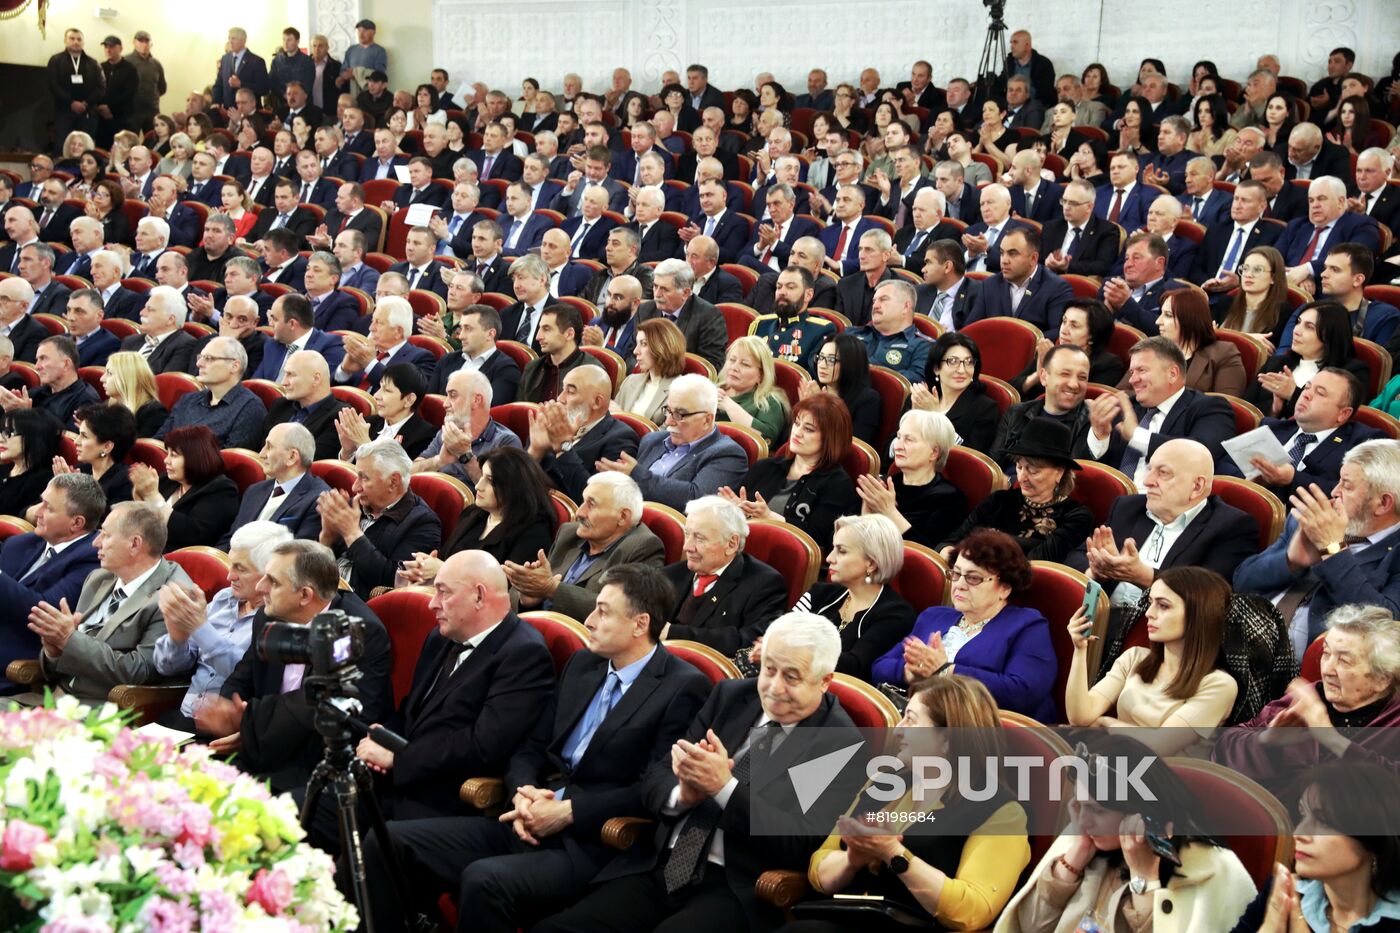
{"points": [[107, 830]]}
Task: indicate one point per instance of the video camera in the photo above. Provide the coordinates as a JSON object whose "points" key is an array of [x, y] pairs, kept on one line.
{"points": [[328, 645]]}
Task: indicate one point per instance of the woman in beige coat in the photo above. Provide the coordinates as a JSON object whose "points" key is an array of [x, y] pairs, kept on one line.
{"points": [[660, 353], [1107, 878]]}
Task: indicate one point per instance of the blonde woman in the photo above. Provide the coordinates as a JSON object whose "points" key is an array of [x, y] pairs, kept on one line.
{"points": [[179, 159], [128, 381], [748, 395], [660, 353], [74, 145]]}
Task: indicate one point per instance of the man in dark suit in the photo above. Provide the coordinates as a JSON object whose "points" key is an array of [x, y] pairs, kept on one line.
{"points": [[477, 327], [597, 163], [306, 382], [1136, 297], [285, 214], [1334, 551], [162, 339], [1021, 108], [331, 309], [736, 783], [1375, 198], [54, 214], [240, 67], [391, 324], [918, 91], [420, 188], [24, 332], [349, 213], [1032, 197], [1023, 59], [855, 292], [1125, 432], [1178, 522], [36, 261], [1124, 200], [265, 712], [486, 259], [1318, 436], [1205, 205], [588, 230], [521, 229], [925, 228], [293, 329], [203, 186], [570, 435], [717, 222], [1287, 202], [698, 459], [312, 186], [982, 240], [626, 166], [1219, 256], [700, 322], [947, 295], [1312, 157], [419, 268], [49, 564], [715, 284], [1305, 243], [658, 238], [721, 596], [1079, 242], [771, 245], [574, 762], [288, 495], [335, 161], [705, 145], [226, 162], [381, 161], [84, 318], [494, 159], [298, 102], [699, 93], [401, 523], [1023, 289], [963, 200]]}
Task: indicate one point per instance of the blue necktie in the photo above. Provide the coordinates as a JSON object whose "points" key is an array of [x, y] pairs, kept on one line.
{"points": [[1229, 264], [603, 702]]}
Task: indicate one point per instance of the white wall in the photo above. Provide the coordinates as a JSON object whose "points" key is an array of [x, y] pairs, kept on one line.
{"points": [[501, 41]]}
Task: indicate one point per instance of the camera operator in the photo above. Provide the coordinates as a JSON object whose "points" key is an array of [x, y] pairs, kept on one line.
{"points": [[264, 712]]}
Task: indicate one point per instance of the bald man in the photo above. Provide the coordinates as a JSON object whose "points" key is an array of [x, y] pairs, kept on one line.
{"points": [[566, 278], [225, 406], [1175, 522], [306, 384]]}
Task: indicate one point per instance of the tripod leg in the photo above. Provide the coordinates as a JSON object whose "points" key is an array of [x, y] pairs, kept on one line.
{"points": [[346, 796], [314, 786], [398, 878]]}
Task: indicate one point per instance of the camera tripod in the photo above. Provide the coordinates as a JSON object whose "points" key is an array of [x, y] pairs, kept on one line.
{"points": [[350, 780], [994, 49]]}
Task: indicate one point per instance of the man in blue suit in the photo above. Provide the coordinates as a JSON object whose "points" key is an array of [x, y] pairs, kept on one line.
{"points": [[1167, 166], [239, 68], [1207, 206], [84, 317], [287, 455], [841, 237], [982, 240], [1123, 200], [1023, 288], [311, 187], [717, 222], [494, 159], [1344, 276], [385, 158], [1305, 243], [771, 244], [1032, 197], [1336, 551], [1316, 438], [389, 329], [203, 186], [689, 458], [420, 188], [624, 167], [521, 228], [335, 161], [566, 279], [1136, 298], [49, 564], [331, 309], [292, 330], [588, 232], [349, 249]]}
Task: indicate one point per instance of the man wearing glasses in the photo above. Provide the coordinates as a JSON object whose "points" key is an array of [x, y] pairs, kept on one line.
{"points": [[226, 407], [40, 168], [689, 458]]}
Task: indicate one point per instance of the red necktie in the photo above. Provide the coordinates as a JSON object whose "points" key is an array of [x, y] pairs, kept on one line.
{"points": [[702, 583], [841, 242], [379, 357], [1312, 244], [1117, 205], [343, 222]]}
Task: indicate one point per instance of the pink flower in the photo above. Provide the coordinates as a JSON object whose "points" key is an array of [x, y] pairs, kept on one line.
{"points": [[76, 925], [17, 846], [196, 824], [167, 916], [272, 890]]}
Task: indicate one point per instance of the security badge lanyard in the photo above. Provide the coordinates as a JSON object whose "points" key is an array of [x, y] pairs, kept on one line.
{"points": [[76, 77]]}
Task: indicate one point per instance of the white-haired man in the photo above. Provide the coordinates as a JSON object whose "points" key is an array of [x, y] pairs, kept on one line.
{"points": [[1305, 243], [162, 340], [389, 329]]}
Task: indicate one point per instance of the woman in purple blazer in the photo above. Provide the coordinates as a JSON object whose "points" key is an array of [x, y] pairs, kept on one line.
{"points": [[981, 635]]}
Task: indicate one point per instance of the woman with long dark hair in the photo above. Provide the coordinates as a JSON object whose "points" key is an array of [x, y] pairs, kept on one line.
{"points": [[1260, 306], [952, 384], [1321, 338], [843, 369], [1211, 365], [1211, 132], [29, 439]]}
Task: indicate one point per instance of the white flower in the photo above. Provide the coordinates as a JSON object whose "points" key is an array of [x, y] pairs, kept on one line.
{"points": [[24, 770], [143, 861]]}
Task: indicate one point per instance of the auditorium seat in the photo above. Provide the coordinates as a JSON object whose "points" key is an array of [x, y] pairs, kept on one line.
{"points": [[788, 550], [923, 579], [974, 473], [446, 495], [667, 524], [1007, 344], [243, 466], [207, 566], [703, 658], [408, 620], [1057, 591]]}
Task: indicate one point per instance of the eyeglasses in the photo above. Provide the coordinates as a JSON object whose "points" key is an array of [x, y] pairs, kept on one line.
{"points": [[675, 414], [959, 362], [202, 358], [828, 359], [972, 579]]}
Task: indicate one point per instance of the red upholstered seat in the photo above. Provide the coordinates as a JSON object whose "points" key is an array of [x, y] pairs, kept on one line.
{"points": [[894, 392], [92, 375], [1256, 501], [565, 510], [755, 447], [1261, 834], [516, 416], [518, 352], [266, 390], [336, 474], [973, 472], [668, 525], [1311, 668], [118, 327], [206, 566], [788, 550], [1097, 485], [11, 525], [562, 634], [1377, 360], [747, 277], [446, 495], [1082, 286], [704, 659], [171, 386], [614, 365], [1375, 418], [640, 426], [149, 451], [1007, 344], [1057, 591], [1247, 417], [999, 391], [244, 467], [52, 323], [1123, 339], [1045, 814], [738, 319], [867, 707], [923, 580], [1253, 353], [408, 619], [358, 399], [433, 409], [788, 377]]}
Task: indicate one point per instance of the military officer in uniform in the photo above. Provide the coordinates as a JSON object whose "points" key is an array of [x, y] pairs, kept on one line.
{"points": [[791, 334], [891, 339]]}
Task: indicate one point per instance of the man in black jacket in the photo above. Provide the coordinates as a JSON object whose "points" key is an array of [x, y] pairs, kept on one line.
{"points": [[308, 401], [477, 327], [400, 523], [569, 436], [1039, 70], [1064, 372], [76, 85], [1079, 242], [721, 596], [700, 322], [721, 778], [119, 99], [264, 713], [620, 705]]}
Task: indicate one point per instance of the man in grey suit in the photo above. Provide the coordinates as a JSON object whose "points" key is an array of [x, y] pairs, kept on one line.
{"points": [[690, 458], [110, 637], [609, 532], [700, 322], [288, 495]]}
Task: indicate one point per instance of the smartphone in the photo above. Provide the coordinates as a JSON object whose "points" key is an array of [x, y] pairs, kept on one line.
{"points": [[1092, 592], [1158, 841]]}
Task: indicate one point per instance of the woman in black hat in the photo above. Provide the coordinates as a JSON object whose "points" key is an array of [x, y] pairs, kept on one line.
{"points": [[1037, 511]]}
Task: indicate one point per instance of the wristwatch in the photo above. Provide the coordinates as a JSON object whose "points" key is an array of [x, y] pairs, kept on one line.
{"points": [[1335, 547], [1140, 885], [900, 863]]}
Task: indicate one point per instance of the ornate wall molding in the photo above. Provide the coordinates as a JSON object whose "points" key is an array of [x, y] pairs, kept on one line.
{"points": [[335, 19]]}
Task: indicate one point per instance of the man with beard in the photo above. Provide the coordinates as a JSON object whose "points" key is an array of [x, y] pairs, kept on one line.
{"points": [[793, 335], [570, 435], [617, 329]]}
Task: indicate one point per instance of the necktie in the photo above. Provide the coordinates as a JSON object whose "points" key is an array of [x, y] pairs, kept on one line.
{"points": [[709, 226], [702, 583], [1371, 201], [148, 347], [523, 335], [453, 224], [1131, 457], [1295, 453], [1117, 205], [486, 169], [48, 216], [1312, 244], [841, 243], [1074, 242], [1196, 207], [1030, 203], [1233, 254], [413, 276], [578, 237], [379, 358], [597, 711], [687, 857], [768, 253], [305, 192], [902, 212], [44, 558], [195, 188], [915, 243], [113, 604]]}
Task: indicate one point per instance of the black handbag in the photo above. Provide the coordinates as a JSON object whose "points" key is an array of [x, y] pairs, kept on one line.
{"points": [[854, 911]]}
